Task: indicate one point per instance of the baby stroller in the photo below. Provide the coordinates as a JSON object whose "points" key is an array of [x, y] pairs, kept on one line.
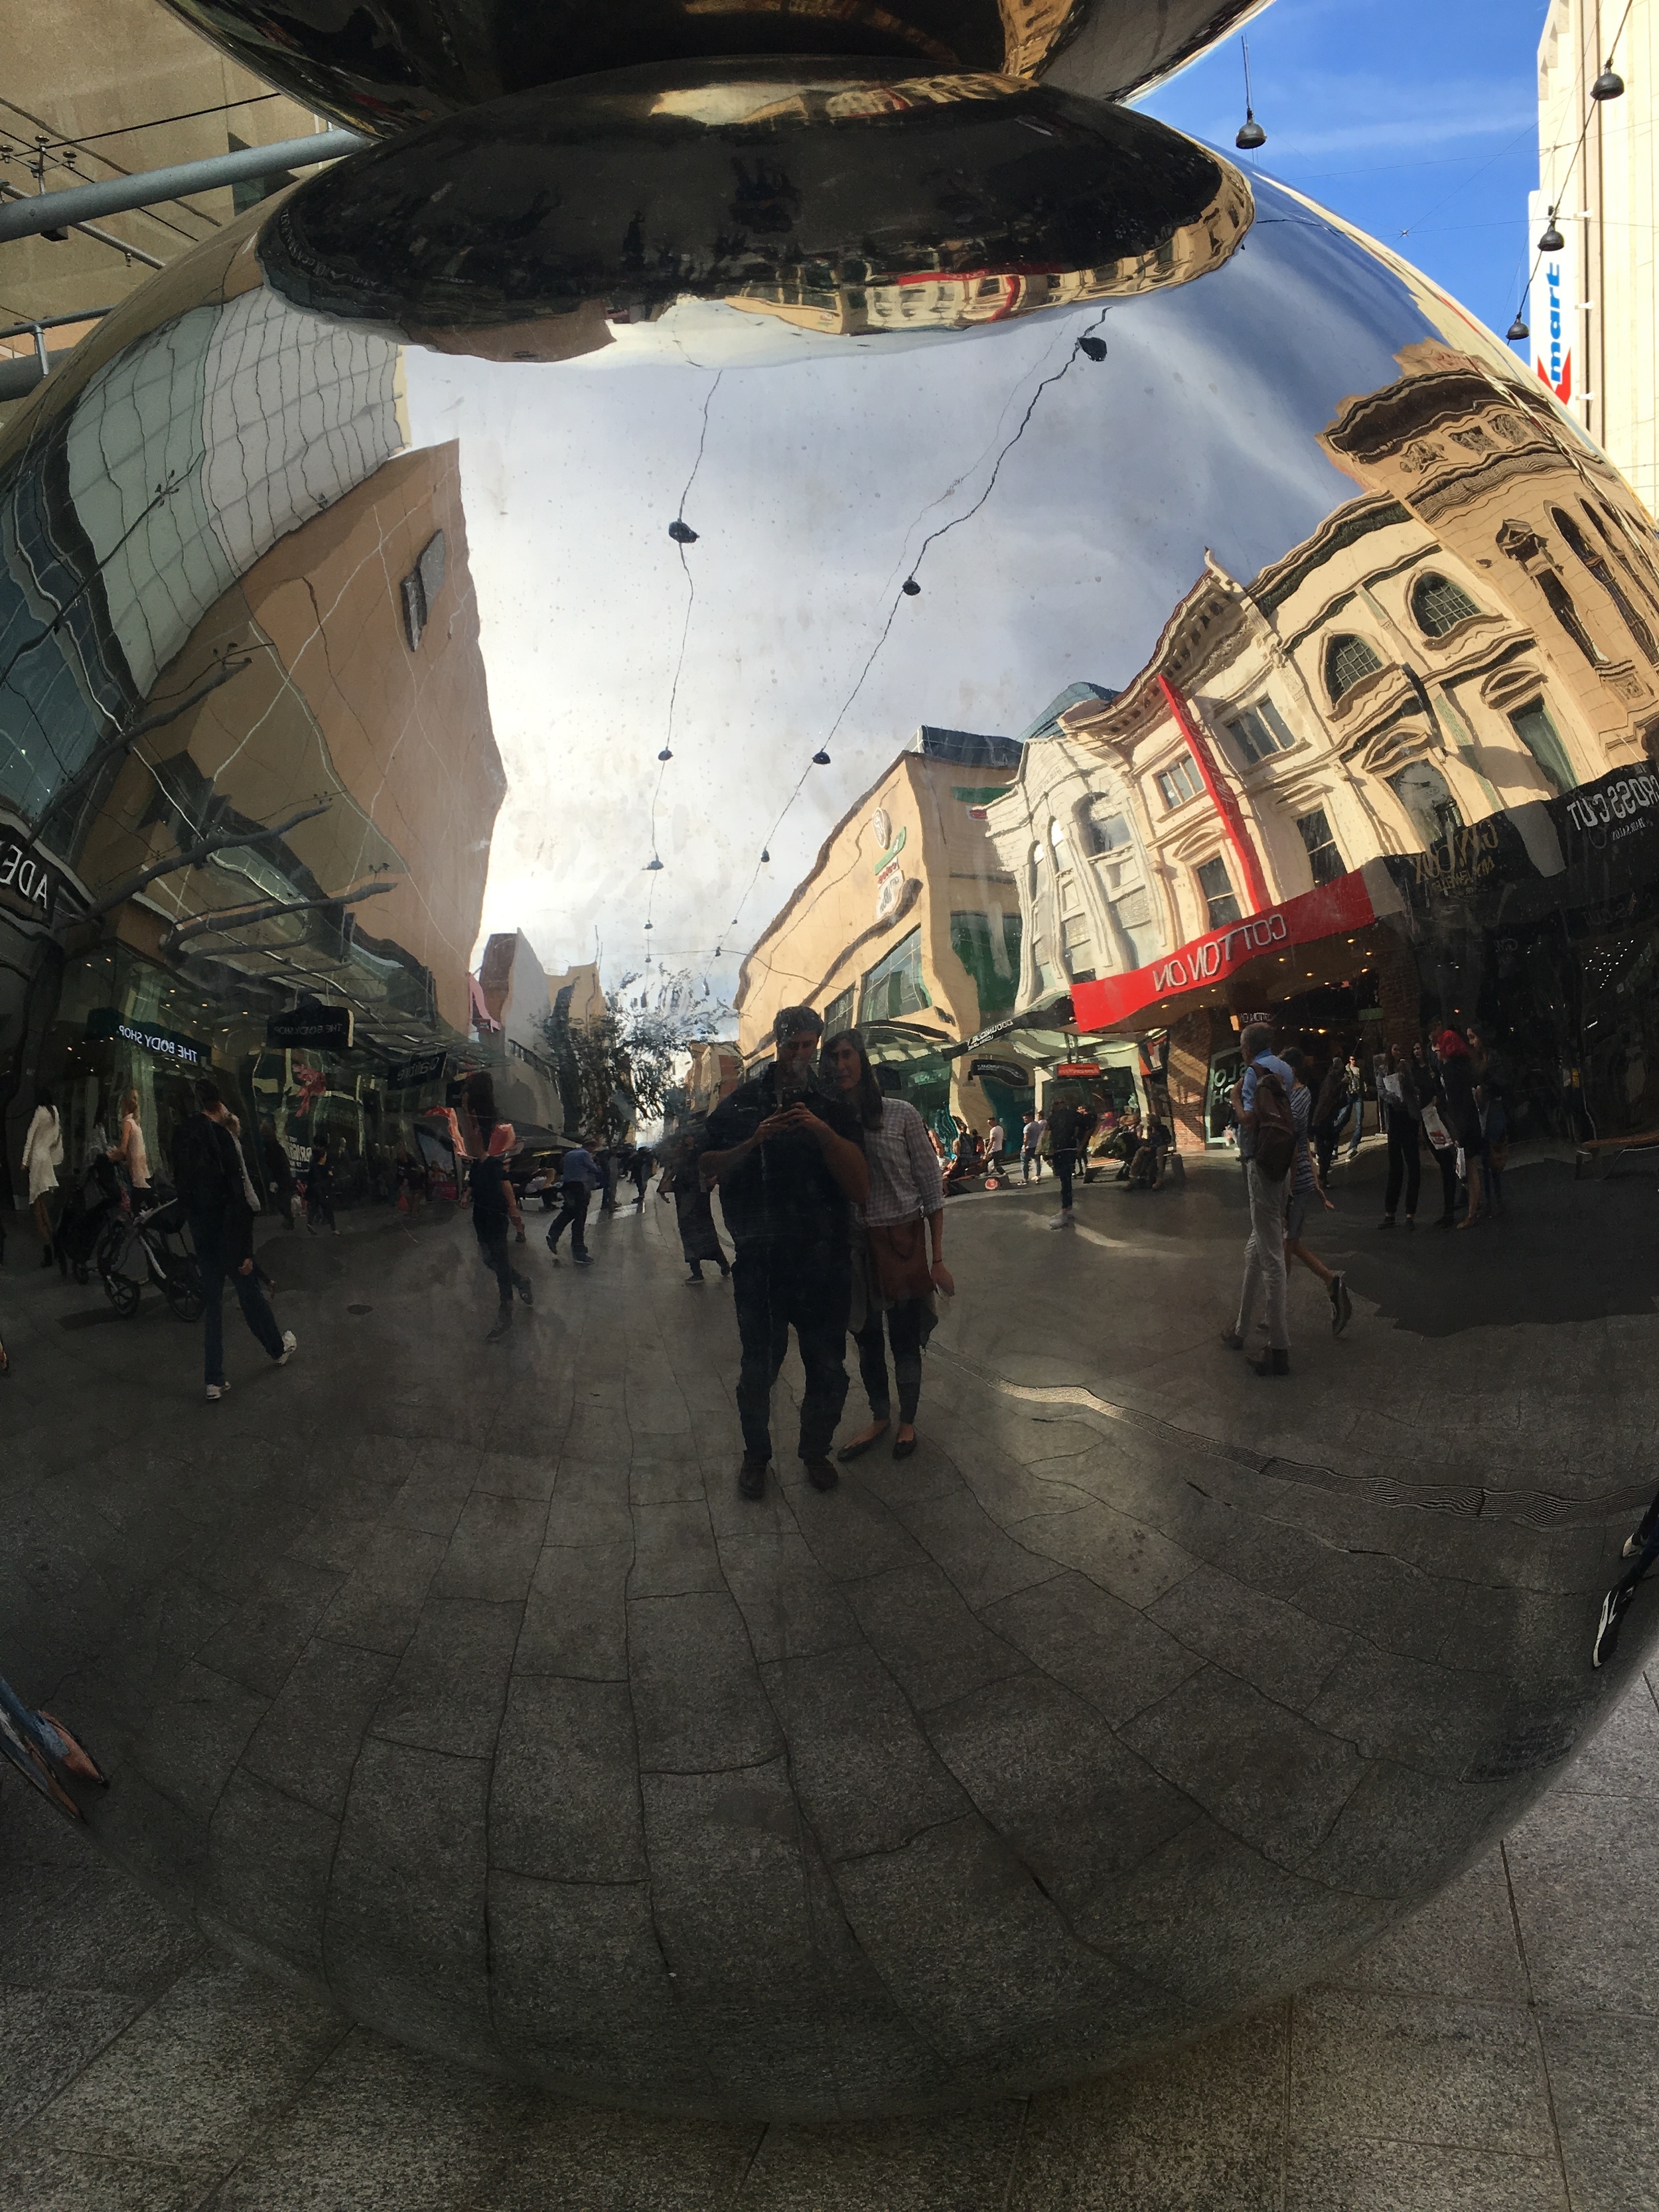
{"points": [[86, 1209], [147, 1245]]}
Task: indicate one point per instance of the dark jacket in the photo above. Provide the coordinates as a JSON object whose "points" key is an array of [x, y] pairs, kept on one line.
{"points": [[207, 1173], [783, 1193]]}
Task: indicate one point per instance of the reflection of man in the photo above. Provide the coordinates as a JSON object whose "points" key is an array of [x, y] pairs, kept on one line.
{"points": [[582, 1175], [788, 1158], [208, 1173], [1069, 1125], [1262, 1136]]}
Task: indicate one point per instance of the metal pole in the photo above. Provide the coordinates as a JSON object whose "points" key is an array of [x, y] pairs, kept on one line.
{"points": [[25, 218]]}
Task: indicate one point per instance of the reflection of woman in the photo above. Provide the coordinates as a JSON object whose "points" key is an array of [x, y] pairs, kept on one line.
{"points": [[1462, 1116], [128, 1149], [43, 1155], [319, 1188], [893, 1281], [694, 1214], [1402, 1116]]}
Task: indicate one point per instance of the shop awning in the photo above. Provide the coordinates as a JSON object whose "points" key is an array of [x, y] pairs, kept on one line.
{"points": [[1157, 995]]}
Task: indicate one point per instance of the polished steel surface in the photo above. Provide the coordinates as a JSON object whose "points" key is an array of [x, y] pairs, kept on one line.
{"points": [[393, 63], [1049, 699], [526, 228]]}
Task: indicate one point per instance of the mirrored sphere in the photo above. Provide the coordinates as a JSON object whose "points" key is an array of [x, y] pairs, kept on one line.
{"points": [[387, 66], [462, 762]]}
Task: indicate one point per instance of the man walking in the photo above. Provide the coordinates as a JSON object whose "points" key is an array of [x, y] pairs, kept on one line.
{"points": [[583, 1176], [1068, 1126], [789, 1158], [1266, 1144], [211, 1183], [1030, 1138], [995, 1144]]}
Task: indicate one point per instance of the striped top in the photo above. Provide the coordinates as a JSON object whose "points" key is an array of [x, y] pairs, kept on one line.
{"points": [[904, 1177]]}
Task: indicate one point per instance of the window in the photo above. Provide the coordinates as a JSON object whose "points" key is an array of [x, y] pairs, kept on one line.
{"points": [[1259, 732], [894, 986], [1179, 782], [1438, 605], [1133, 914], [1348, 661], [1324, 859], [1103, 832], [988, 946], [1421, 790], [838, 1014], [1533, 725], [1071, 898], [1217, 891], [1601, 568], [1075, 930]]}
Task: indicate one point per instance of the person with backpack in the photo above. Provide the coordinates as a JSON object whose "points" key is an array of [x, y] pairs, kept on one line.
{"points": [[1267, 1146], [209, 1174]]}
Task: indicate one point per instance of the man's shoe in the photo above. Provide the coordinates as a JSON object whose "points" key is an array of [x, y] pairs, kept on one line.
{"points": [[1341, 1305], [1063, 1219], [751, 1478], [291, 1345], [1387, 1222], [1614, 1606], [584, 1260], [526, 1295], [1272, 1363], [503, 1325], [216, 1391], [1232, 1339], [821, 1473]]}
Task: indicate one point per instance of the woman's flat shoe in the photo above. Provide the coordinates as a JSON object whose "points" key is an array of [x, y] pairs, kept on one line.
{"points": [[905, 1446], [867, 1443]]}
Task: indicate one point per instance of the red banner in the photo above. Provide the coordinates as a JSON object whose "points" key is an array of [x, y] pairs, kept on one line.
{"points": [[1332, 909]]}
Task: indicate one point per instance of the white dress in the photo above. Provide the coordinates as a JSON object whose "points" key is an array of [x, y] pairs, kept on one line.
{"points": [[43, 1150]]}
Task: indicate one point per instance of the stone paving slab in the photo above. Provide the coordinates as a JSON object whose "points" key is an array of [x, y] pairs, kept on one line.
{"points": [[1494, 2053]]}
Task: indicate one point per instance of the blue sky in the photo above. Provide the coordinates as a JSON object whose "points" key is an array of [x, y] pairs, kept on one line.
{"points": [[1416, 119]]}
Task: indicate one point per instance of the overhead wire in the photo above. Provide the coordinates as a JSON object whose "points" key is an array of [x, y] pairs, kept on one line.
{"points": [[1561, 185]]}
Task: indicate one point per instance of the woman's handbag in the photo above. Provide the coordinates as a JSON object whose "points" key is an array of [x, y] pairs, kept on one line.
{"points": [[1439, 1134], [898, 1259]]}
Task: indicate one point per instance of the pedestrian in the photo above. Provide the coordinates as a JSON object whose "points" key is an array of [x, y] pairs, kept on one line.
{"points": [[1493, 1073], [1354, 1079], [128, 1151], [1331, 1108], [1306, 1186], [1267, 1146], [1069, 1124], [996, 1142], [789, 1162], [495, 1209], [1401, 1110], [211, 1179], [1031, 1140], [250, 1193], [642, 1168], [894, 1280], [43, 1155], [1437, 1127], [582, 1175], [1462, 1116], [319, 1188], [694, 1214]]}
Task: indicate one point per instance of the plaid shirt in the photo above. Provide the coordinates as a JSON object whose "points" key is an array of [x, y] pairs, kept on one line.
{"points": [[904, 1177]]}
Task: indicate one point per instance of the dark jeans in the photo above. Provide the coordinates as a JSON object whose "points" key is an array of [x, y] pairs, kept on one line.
{"points": [[1405, 1163], [1327, 1135], [216, 1264], [319, 1205], [1064, 1162], [572, 1214], [493, 1245], [1447, 1164], [904, 1330], [808, 1288], [1027, 1162]]}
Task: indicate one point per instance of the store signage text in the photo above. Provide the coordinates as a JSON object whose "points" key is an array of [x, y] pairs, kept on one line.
{"points": [[104, 1023], [1210, 956], [28, 885], [1077, 1067], [310, 1025], [1624, 801], [1460, 860], [425, 1067], [1000, 1071]]}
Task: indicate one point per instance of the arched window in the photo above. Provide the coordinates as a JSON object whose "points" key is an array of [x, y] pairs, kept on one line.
{"points": [[1438, 605], [1104, 829], [1348, 661]]}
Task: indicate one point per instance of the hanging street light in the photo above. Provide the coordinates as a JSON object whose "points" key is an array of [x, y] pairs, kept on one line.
{"points": [[1518, 330], [1609, 85], [1552, 241], [1250, 132]]}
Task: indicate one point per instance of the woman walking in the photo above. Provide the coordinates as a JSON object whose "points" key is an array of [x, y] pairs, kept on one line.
{"points": [[128, 1149], [893, 1279], [43, 1155], [1402, 1119], [694, 1214], [1462, 1116]]}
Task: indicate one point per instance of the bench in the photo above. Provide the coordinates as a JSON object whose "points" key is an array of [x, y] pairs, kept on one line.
{"points": [[1610, 1150]]}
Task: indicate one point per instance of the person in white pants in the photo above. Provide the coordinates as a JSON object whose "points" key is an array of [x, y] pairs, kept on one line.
{"points": [[1264, 1255]]}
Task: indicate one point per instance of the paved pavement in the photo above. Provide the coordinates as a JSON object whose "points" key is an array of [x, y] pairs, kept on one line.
{"points": [[1496, 2053]]}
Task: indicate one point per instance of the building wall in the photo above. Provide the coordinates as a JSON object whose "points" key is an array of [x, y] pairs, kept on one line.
{"points": [[1615, 183]]}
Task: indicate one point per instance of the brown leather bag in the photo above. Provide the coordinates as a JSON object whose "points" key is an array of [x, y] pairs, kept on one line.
{"points": [[898, 1259]]}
